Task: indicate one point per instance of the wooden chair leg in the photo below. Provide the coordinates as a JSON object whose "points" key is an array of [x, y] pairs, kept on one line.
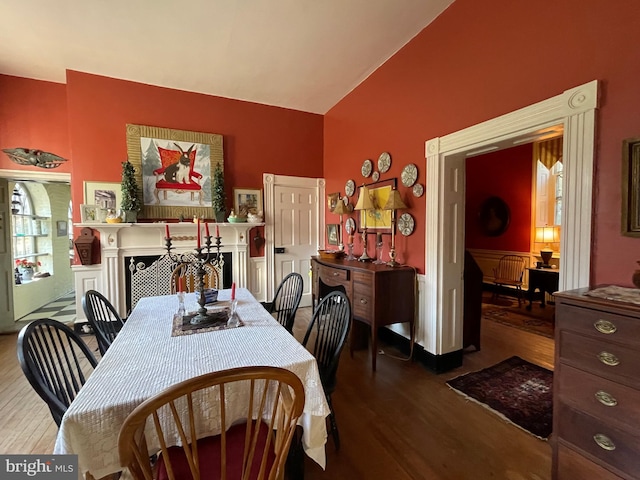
{"points": [[333, 425]]}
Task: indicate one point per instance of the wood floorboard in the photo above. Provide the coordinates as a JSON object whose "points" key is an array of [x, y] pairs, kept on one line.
{"points": [[402, 422]]}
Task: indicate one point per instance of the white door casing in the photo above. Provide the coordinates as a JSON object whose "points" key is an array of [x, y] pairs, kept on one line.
{"points": [[294, 220], [6, 260], [575, 109]]}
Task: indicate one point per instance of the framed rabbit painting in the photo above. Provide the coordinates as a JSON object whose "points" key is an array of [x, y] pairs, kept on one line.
{"points": [[174, 170]]}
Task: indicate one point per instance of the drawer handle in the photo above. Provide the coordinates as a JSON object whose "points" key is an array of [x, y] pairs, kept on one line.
{"points": [[363, 301], [606, 398], [335, 274], [605, 326], [608, 359], [604, 442]]}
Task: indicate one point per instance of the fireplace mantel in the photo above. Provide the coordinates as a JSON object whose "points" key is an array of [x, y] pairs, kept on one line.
{"points": [[120, 240]]}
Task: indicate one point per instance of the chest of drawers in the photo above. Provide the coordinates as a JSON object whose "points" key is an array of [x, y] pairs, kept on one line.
{"points": [[596, 417], [379, 294]]}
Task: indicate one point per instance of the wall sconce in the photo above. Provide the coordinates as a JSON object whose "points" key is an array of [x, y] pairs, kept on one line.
{"points": [[393, 203], [365, 204], [546, 235]]}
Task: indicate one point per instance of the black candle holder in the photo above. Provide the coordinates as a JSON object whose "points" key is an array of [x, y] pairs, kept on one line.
{"points": [[203, 255]]}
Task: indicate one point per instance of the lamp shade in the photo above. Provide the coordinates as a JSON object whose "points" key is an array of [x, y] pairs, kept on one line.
{"points": [[340, 208], [546, 234], [364, 200], [394, 202]]}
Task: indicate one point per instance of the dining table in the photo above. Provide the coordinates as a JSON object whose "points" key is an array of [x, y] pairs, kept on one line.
{"points": [[150, 354]]}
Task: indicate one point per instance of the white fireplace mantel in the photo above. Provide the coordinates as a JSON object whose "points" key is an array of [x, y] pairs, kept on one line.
{"points": [[120, 240]]}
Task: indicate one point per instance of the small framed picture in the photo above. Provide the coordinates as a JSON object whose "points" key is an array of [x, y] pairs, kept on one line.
{"points": [[332, 233], [104, 195], [332, 200], [61, 228], [246, 201], [89, 214]]}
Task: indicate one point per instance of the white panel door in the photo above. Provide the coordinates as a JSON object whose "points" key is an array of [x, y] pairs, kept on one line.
{"points": [[6, 260], [453, 202], [295, 224]]}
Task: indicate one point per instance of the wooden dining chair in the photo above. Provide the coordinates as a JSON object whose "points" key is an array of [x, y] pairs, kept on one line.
{"points": [[509, 271], [325, 338], [103, 318], [286, 301], [256, 410], [55, 361], [187, 271]]}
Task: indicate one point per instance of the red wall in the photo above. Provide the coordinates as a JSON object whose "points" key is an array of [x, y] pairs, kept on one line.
{"points": [[257, 138], [480, 60], [33, 114], [506, 174]]}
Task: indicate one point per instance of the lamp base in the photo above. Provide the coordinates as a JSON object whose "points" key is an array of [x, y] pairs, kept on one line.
{"points": [[546, 258]]}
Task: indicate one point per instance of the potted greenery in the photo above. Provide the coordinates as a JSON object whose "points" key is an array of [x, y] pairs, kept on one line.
{"points": [[219, 196], [130, 202]]}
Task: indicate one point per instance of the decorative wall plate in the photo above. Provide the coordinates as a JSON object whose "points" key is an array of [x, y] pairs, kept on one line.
{"points": [[350, 188], [375, 176], [384, 162], [418, 190], [409, 175], [367, 167], [350, 225], [406, 224]]}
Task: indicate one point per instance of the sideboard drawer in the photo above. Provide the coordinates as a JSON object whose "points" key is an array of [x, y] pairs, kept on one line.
{"points": [[611, 445], [597, 396], [573, 466], [362, 302], [608, 326], [609, 360], [336, 274]]}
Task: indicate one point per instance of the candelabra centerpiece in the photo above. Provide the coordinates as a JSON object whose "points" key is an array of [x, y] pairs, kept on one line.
{"points": [[203, 255]]}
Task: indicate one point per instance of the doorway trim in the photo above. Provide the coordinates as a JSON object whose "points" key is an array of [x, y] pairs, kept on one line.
{"points": [[575, 109]]}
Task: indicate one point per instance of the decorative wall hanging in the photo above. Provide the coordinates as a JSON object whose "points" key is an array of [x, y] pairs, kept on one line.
{"points": [[174, 169], [375, 176], [406, 224], [332, 200], [103, 194], [378, 220], [631, 187], [494, 217], [418, 190], [384, 162], [247, 201], [409, 175], [367, 167], [36, 158], [350, 188]]}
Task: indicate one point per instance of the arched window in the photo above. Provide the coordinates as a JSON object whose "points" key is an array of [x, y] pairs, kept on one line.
{"points": [[22, 224]]}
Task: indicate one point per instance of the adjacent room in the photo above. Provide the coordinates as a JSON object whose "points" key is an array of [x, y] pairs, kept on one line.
{"points": [[342, 239]]}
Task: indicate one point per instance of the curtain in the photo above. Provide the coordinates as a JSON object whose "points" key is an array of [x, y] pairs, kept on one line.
{"points": [[548, 152]]}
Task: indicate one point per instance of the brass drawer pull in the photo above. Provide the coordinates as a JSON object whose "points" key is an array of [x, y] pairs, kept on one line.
{"points": [[363, 301], [605, 326], [608, 359], [604, 442], [606, 398], [335, 274]]}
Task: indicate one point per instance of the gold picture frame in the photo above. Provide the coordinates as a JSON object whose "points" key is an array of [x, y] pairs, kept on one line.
{"points": [[168, 189], [378, 220], [332, 200], [631, 187]]}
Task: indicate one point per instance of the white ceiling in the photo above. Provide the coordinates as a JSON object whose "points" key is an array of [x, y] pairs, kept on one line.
{"points": [[299, 54]]}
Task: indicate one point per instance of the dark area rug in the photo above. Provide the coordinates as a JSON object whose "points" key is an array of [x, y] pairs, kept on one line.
{"points": [[507, 312], [516, 390]]}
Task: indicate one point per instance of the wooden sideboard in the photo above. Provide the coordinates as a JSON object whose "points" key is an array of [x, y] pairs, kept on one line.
{"points": [[379, 294], [596, 391]]}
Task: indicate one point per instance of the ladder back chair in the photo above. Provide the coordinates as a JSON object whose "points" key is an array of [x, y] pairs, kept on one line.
{"points": [[103, 318], [187, 272], [325, 338], [286, 300], [509, 272], [256, 409], [55, 361]]}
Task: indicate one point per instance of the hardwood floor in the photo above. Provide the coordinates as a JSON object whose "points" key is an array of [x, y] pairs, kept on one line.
{"points": [[402, 422]]}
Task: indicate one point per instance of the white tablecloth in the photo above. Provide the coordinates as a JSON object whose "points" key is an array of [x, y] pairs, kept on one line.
{"points": [[145, 359]]}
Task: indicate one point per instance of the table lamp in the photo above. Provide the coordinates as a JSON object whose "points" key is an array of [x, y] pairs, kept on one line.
{"points": [[394, 202], [545, 235], [340, 209], [365, 204]]}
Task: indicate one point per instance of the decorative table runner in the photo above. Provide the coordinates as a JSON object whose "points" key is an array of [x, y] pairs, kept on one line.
{"points": [[616, 293]]}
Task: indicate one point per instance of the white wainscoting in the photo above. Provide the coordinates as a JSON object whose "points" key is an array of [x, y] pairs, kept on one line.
{"points": [[487, 260]]}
